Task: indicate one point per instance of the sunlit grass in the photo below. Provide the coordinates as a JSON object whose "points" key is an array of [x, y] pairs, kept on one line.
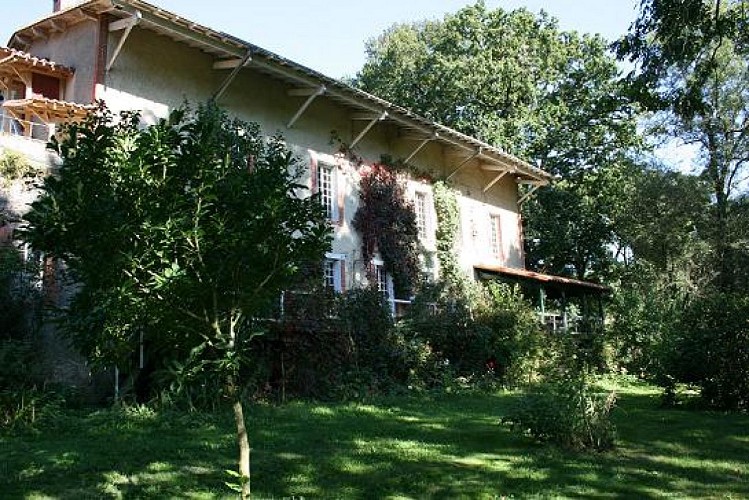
{"points": [[423, 446]]}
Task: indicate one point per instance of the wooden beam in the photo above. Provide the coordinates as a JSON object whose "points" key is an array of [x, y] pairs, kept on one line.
{"points": [[423, 143], [305, 92], [128, 27], [182, 31], [39, 33], [368, 127], [320, 91], [366, 116], [493, 167], [495, 180], [122, 24], [225, 85], [463, 164], [528, 194], [227, 63]]}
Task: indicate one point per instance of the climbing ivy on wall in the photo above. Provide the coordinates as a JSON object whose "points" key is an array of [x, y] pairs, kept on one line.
{"points": [[387, 223], [448, 223]]}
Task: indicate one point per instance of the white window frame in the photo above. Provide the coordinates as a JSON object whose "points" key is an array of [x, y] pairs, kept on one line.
{"points": [[328, 191], [422, 215], [336, 261], [384, 286], [495, 235]]}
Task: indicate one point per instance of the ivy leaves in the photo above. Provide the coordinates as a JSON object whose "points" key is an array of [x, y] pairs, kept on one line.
{"points": [[387, 223]]}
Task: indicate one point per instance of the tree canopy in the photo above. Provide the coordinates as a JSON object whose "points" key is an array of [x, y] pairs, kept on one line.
{"points": [[692, 66], [181, 233], [517, 81]]}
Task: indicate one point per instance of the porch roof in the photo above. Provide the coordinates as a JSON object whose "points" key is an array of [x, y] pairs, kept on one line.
{"points": [[570, 285], [12, 60], [48, 110]]}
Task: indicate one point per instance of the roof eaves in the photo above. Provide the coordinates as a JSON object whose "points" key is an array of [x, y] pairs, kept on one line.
{"points": [[230, 46]]}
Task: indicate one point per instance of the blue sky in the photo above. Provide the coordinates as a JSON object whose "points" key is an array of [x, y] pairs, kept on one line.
{"points": [[329, 35]]}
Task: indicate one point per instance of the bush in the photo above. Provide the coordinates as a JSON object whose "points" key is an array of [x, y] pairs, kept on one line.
{"points": [[644, 313], [24, 407], [710, 348], [567, 412], [485, 330], [14, 166]]}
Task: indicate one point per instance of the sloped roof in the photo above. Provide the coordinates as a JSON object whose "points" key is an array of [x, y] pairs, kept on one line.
{"points": [[227, 47], [548, 279], [21, 59]]}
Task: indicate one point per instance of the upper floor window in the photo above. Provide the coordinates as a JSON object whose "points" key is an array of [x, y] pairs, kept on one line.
{"points": [[420, 207], [495, 236], [326, 186]]}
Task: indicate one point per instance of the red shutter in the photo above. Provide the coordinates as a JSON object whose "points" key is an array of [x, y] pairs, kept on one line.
{"points": [[312, 173]]}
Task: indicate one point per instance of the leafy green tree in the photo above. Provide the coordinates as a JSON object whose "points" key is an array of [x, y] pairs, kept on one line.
{"points": [[516, 81], [184, 232], [693, 65]]}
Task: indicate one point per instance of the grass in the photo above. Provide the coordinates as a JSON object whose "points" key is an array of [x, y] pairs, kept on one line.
{"points": [[424, 446]]}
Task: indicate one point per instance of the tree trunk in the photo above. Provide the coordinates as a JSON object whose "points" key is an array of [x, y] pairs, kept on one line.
{"points": [[244, 448]]}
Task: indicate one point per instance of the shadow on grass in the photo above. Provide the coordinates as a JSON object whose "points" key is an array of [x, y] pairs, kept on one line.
{"points": [[448, 446]]}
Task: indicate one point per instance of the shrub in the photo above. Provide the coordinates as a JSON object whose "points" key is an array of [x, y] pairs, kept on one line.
{"points": [[567, 412], [24, 407], [14, 166], [480, 331], [710, 348]]}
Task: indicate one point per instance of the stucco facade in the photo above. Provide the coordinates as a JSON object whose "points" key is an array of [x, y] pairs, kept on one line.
{"points": [[133, 56]]}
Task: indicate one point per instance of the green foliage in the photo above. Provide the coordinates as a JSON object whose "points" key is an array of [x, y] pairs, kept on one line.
{"points": [[182, 231], [14, 166], [23, 401], [516, 81], [710, 348], [480, 331], [448, 225], [387, 223], [566, 411], [28, 407], [692, 67], [643, 313], [444, 444]]}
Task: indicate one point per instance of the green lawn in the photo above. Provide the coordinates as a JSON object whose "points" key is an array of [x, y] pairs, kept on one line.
{"points": [[447, 446]]}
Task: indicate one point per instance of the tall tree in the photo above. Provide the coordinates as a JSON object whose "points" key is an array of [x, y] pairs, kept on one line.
{"points": [[692, 63], [183, 231], [516, 81]]}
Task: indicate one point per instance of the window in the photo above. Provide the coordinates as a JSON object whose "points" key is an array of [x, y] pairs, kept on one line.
{"points": [[326, 188], [384, 282], [427, 268], [495, 235], [333, 272], [420, 207]]}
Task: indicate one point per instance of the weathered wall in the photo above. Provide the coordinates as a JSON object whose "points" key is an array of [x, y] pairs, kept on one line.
{"points": [[76, 48], [155, 74]]}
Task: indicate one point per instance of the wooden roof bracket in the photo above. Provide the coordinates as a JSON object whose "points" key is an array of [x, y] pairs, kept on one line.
{"points": [[423, 143], [237, 65], [464, 163], [535, 184], [126, 24], [312, 95], [369, 126], [496, 180]]}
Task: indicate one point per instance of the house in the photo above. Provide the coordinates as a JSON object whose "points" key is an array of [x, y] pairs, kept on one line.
{"points": [[135, 55]]}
